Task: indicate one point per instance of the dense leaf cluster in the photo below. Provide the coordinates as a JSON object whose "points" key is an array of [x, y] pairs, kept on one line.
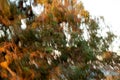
{"points": [[52, 47]]}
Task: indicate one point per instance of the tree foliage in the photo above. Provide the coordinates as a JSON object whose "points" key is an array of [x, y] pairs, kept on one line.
{"points": [[53, 46]]}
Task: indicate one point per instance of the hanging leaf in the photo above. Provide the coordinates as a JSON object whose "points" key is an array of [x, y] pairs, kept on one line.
{"points": [[8, 58], [4, 64]]}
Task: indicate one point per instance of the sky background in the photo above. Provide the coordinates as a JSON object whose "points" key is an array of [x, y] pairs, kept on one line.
{"points": [[110, 10]]}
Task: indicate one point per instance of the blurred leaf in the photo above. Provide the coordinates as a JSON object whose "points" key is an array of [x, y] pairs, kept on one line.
{"points": [[5, 8], [48, 49], [4, 64]]}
